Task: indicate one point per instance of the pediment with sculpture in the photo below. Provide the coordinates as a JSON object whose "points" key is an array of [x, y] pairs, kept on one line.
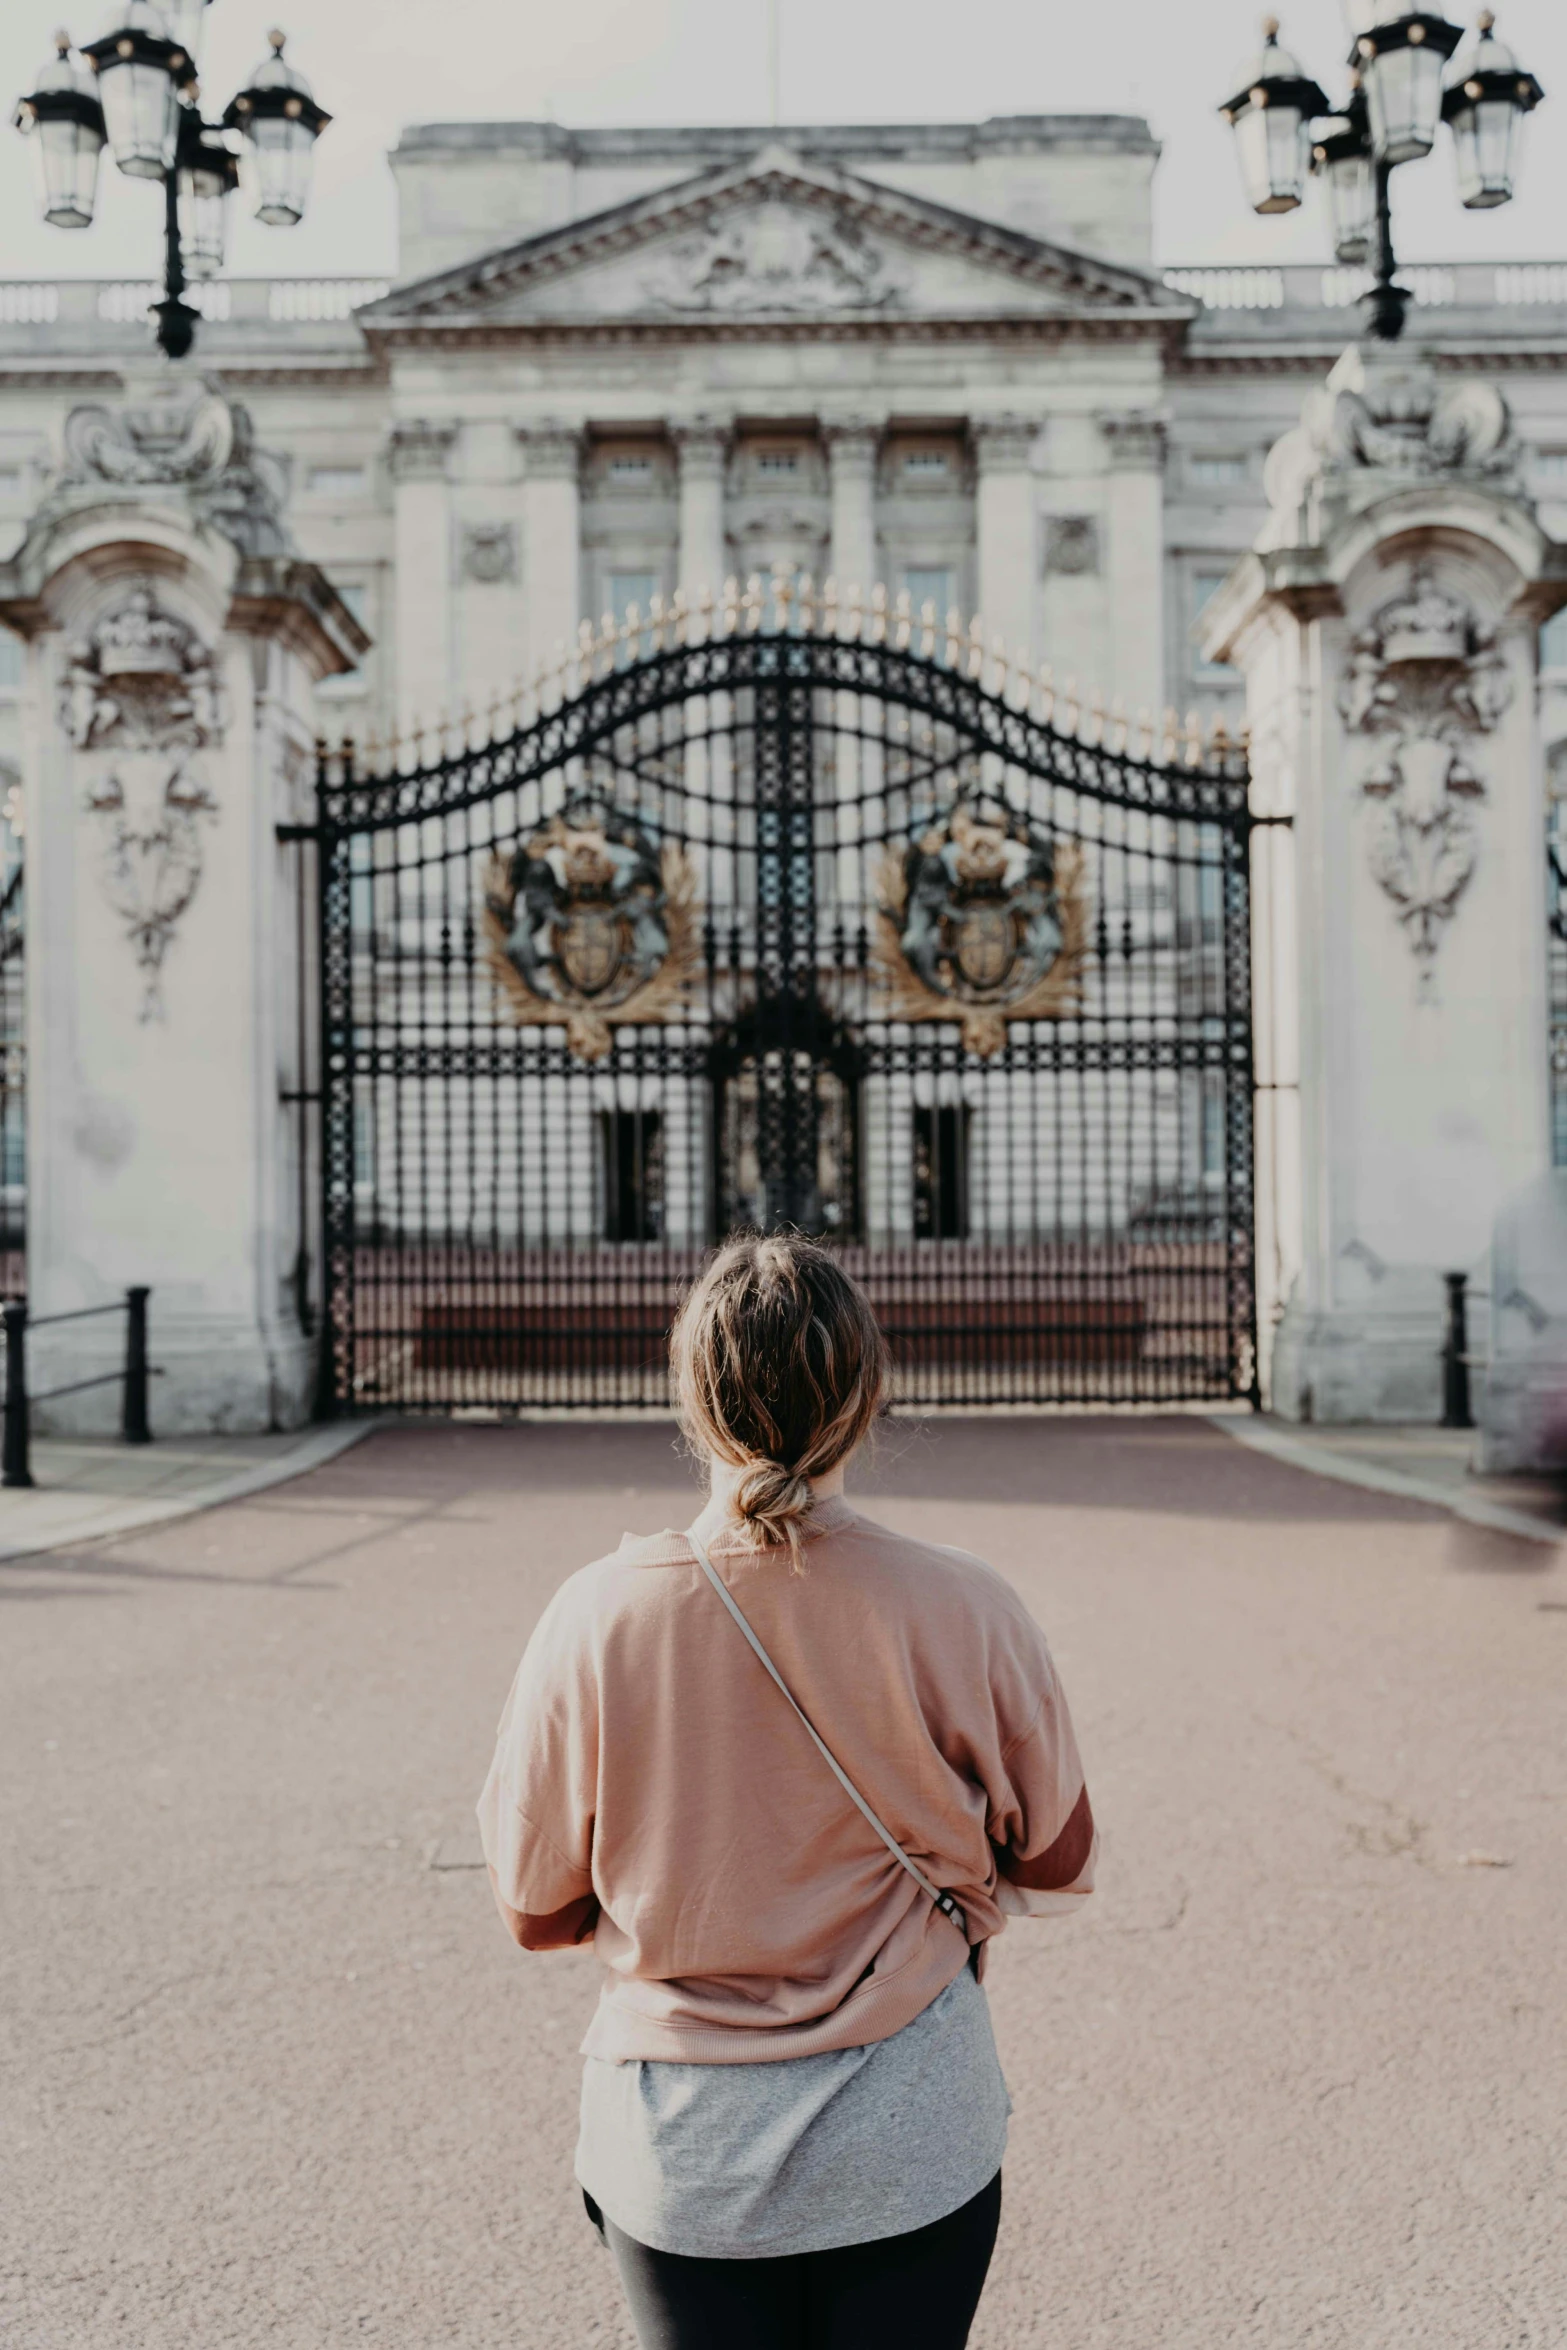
{"points": [[778, 238]]}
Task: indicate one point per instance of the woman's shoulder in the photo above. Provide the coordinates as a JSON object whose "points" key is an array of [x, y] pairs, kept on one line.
{"points": [[932, 1572], [622, 1578]]}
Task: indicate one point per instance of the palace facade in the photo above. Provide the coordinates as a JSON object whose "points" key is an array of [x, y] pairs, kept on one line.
{"points": [[938, 358]]}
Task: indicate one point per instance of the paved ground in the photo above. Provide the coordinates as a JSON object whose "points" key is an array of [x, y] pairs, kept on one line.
{"points": [[88, 1486], [273, 2076]]}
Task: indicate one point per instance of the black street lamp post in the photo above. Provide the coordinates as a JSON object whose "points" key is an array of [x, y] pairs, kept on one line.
{"points": [[1405, 81], [135, 91]]}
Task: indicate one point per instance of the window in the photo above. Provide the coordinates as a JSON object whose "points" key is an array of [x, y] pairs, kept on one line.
{"points": [[773, 462], [941, 1172], [623, 589], [926, 465], [10, 661], [1553, 642], [335, 481], [1205, 586], [631, 472], [931, 587], [1213, 473], [10, 481], [631, 1174], [937, 587], [1551, 464]]}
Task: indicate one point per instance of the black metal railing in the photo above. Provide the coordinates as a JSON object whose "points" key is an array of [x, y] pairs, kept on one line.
{"points": [[1456, 1358], [135, 1372]]}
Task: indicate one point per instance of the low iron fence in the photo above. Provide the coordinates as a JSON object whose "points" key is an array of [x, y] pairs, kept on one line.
{"points": [[135, 1373]]}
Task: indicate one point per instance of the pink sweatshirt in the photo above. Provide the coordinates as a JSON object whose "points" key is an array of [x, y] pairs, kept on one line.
{"points": [[652, 1792]]}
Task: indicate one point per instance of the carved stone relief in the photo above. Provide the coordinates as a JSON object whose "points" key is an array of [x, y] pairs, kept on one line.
{"points": [[489, 552], [201, 442], [1383, 420], [776, 257], [1424, 682], [141, 700], [1071, 544]]}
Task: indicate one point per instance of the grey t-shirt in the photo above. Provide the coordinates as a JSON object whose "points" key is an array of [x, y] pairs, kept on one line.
{"points": [[749, 2161]]}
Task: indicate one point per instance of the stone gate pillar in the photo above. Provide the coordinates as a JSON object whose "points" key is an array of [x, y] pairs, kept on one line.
{"points": [[173, 638], [1388, 628]]}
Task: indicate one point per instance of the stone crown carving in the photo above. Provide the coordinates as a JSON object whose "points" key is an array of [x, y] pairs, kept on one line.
{"points": [[1424, 680], [141, 698]]}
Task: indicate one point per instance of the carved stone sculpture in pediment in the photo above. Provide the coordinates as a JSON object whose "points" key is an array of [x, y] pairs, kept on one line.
{"points": [[1424, 682], [777, 257], [141, 699]]}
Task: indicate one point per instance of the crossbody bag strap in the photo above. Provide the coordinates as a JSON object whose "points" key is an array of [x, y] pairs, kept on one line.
{"points": [[943, 1901]]}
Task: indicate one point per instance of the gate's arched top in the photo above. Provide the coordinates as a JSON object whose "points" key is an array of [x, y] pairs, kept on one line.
{"points": [[783, 633]]}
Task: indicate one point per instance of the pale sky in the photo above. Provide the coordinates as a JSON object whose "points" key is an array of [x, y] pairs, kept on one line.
{"points": [[377, 64]]}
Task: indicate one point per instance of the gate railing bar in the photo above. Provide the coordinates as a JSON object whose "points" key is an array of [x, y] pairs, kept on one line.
{"points": [[16, 1439]]}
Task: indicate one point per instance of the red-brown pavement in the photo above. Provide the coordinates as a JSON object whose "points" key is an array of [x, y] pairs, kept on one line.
{"points": [[273, 2074]]}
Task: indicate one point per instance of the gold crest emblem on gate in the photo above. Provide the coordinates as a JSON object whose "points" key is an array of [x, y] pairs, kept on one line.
{"points": [[589, 924], [983, 919]]}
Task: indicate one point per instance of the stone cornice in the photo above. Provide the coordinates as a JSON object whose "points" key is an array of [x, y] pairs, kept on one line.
{"points": [[560, 334]]}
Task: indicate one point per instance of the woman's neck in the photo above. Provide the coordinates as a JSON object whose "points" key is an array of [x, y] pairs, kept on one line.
{"points": [[723, 1476]]}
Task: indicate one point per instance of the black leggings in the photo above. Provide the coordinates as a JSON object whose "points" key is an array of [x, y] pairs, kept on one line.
{"points": [[920, 2290]]}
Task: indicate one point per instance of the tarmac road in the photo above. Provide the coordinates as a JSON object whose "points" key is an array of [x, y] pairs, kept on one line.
{"points": [[272, 2074]]}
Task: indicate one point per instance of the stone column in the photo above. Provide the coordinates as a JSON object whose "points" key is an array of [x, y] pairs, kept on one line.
{"points": [[1005, 527], [552, 539], [1388, 629], [487, 594], [1135, 519], [174, 637], [852, 446], [702, 448], [426, 679]]}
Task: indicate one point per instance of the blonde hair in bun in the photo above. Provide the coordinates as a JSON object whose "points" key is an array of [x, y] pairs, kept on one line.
{"points": [[780, 1366]]}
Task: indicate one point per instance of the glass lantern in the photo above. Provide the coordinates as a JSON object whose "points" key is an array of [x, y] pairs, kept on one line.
{"points": [[67, 119], [187, 23], [282, 122], [1487, 99], [1341, 158], [1269, 115], [206, 173], [1402, 59], [140, 68]]}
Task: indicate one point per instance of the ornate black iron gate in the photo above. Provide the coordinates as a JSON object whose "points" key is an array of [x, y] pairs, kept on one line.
{"points": [[787, 927]]}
